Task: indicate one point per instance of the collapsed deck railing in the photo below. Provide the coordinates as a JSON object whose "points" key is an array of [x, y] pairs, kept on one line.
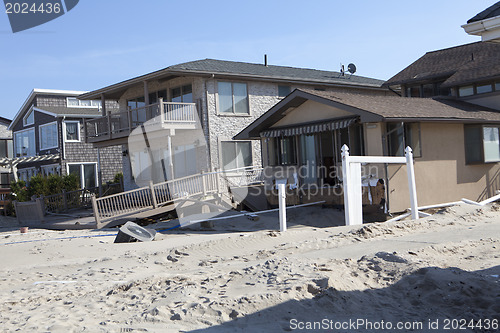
{"points": [[157, 195]]}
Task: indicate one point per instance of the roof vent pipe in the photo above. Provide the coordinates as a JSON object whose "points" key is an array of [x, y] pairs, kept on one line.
{"points": [[265, 60]]}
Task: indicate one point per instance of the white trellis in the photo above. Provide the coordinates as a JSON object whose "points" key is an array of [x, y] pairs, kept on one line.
{"points": [[351, 172]]}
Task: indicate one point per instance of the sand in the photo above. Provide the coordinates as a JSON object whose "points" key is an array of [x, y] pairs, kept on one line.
{"points": [[247, 277]]}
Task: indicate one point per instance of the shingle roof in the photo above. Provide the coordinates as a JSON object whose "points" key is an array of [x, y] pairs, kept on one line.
{"points": [[489, 12], [59, 110], [277, 72], [374, 108], [240, 70], [395, 107], [457, 65]]}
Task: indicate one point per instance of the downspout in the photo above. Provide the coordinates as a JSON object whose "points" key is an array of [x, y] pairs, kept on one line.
{"points": [[206, 118], [63, 141]]}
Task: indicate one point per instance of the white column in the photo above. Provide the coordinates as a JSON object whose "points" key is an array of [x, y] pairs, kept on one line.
{"points": [[411, 183], [355, 194], [282, 206], [346, 176]]}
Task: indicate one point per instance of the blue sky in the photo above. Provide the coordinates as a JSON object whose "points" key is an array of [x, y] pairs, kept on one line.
{"points": [[103, 42]]}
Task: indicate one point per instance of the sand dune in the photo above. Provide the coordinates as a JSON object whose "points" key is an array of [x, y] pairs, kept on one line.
{"points": [[446, 266]]}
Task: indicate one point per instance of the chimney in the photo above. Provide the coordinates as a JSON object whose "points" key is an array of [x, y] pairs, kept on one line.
{"points": [[265, 60]]}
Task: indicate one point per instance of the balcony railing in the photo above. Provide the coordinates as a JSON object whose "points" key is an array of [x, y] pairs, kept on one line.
{"points": [[120, 124]]}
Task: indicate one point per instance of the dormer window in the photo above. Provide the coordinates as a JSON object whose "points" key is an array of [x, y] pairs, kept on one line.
{"points": [[73, 102], [29, 118]]}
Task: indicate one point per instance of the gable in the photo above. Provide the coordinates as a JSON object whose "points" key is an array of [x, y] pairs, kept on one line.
{"points": [[311, 111]]}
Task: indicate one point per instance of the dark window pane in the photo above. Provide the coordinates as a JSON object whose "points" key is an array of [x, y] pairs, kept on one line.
{"points": [[72, 131], [412, 138], [428, 90], [89, 175], [395, 139], [413, 91], [3, 148], [473, 142], [283, 91]]}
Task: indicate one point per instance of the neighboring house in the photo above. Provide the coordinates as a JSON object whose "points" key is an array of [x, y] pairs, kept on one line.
{"points": [[302, 136], [6, 151], [469, 72], [449, 115], [48, 138], [225, 95], [485, 24]]}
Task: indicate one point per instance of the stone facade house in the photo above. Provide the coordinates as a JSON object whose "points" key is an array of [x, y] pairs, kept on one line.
{"points": [[48, 138], [223, 97]]}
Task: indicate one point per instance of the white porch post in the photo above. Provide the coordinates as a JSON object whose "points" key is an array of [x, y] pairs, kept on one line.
{"points": [[282, 206], [170, 157], [411, 182], [346, 176]]}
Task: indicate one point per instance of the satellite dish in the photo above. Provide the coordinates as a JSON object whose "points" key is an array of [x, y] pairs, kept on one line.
{"points": [[351, 68]]}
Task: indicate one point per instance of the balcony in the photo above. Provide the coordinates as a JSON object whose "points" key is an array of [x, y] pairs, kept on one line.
{"points": [[116, 127]]}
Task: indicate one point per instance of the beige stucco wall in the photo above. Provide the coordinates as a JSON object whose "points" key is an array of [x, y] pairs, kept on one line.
{"points": [[441, 174], [311, 111]]}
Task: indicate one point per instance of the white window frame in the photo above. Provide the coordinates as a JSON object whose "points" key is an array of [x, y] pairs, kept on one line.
{"points": [[64, 130], [81, 164], [91, 106], [26, 116], [233, 114], [221, 159], [40, 135], [15, 141]]}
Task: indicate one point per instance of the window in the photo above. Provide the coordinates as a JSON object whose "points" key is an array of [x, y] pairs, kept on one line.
{"points": [[236, 154], [73, 102], [48, 136], [233, 98], [484, 88], [155, 96], [52, 169], [283, 151], [136, 103], [26, 174], [25, 143], [29, 118], [482, 144], [400, 136], [72, 132], [182, 94], [86, 172], [5, 148], [284, 91], [466, 91]]}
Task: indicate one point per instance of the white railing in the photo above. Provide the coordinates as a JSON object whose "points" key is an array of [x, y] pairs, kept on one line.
{"points": [[156, 195], [120, 124]]}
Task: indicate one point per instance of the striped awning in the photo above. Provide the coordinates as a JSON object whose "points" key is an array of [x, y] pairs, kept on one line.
{"points": [[15, 161], [325, 126]]}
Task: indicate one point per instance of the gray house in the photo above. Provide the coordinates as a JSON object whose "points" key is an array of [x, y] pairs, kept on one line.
{"points": [[48, 138], [6, 151], [225, 96]]}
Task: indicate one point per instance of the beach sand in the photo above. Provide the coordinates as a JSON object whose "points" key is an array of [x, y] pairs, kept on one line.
{"points": [[245, 276]]}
